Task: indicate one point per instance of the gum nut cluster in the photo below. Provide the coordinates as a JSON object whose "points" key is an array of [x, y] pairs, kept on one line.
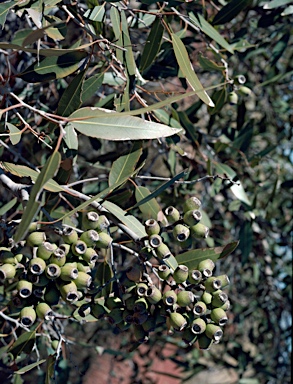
{"points": [[46, 273]]}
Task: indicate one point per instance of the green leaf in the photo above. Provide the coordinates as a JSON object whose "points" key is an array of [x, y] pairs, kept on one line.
{"points": [[71, 97], [15, 133], [187, 70], [24, 343], [6, 207], [4, 9], [103, 124], [246, 240], [279, 48], [130, 221], [151, 208], [71, 138], [29, 367], [210, 31], [171, 262], [51, 361], [91, 86], [152, 45], [237, 189], [276, 3], [48, 172], [125, 165], [24, 171], [104, 274], [55, 67], [229, 11], [96, 14], [209, 65], [192, 258]]}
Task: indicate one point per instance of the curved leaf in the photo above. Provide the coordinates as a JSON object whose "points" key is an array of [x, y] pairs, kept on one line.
{"points": [[150, 209], [100, 123], [229, 11], [29, 367], [24, 343], [152, 45]]}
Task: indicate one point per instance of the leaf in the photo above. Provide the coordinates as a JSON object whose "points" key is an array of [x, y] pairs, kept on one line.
{"points": [[30, 367], [96, 14], [171, 262], [4, 9], [192, 258], [15, 133], [151, 208], [104, 274], [102, 124], [210, 31], [51, 361], [32, 207], [125, 165], [71, 97], [24, 343], [279, 48], [70, 137], [24, 171], [246, 240], [238, 190], [276, 3], [152, 45], [209, 65], [229, 11], [130, 221], [91, 86], [51, 68], [6, 207], [187, 70]]}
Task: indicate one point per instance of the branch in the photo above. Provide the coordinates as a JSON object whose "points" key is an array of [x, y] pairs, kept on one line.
{"points": [[19, 190]]}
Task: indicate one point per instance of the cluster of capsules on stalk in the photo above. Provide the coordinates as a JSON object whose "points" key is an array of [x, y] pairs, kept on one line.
{"points": [[189, 302]]}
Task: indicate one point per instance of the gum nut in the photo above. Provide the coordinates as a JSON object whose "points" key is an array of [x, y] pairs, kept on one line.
{"points": [[104, 241], [79, 248], [177, 321], [37, 266], [83, 280], [7, 271], [212, 284], [192, 217], [35, 239], [43, 310], [53, 271], [90, 256], [199, 308], [180, 274], [172, 214], [90, 237], [163, 251], [7, 257], [155, 241], [24, 288], [153, 294], [218, 315], [27, 316], [199, 231], [70, 236], [164, 272], [69, 272], [152, 227], [198, 326], [69, 292], [185, 298], [141, 289], [213, 332], [191, 204], [206, 264], [181, 232], [170, 298], [195, 276], [90, 220], [45, 250]]}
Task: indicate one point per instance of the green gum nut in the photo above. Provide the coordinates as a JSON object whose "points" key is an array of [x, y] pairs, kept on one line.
{"points": [[181, 232], [219, 298], [139, 317], [83, 280], [45, 250], [172, 214], [52, 295], [33, 227], [35, 239], [233, 98], [90, 256], [152, 227], [83, 267], [225, 281], [7, 271], [191, 204], [199, 231], [180, 274], [99, 311], [141, 289], [54, 344], [43, 311], [37, 266], [25, 288], [206, 267], [177, 321], [104, 241], [199, 308], [79, 248], [170, 298], [134, 273], [212, 284], [155, 241], [90, 237], [70, 236], [192, 217], [140, 334], [164, 272], [226, 306], [185, 298], [206, 297], [150, 324], [218, 315], [58, 257], [189, 337], [90, 220], [115, 316], [53, 271], [204, 342], [153, 294], [198, 326], [69, 272], [69, 292], [195, 276], [245, 91], [213, 332], [140, 305], [27, 316], [163, 251], [65, 248], [7, 257]]}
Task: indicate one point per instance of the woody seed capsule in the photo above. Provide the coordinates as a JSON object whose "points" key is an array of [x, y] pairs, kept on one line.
{"points": [[172, 214], [192, 217], [180, 274], [191, 204], [152, 227], [70, 235], [37, 266]]}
